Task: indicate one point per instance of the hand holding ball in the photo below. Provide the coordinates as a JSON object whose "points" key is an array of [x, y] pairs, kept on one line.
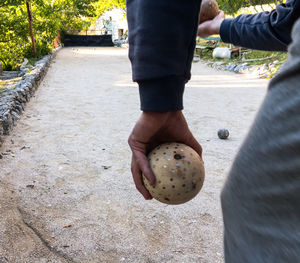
{"points": [[179, 173]]}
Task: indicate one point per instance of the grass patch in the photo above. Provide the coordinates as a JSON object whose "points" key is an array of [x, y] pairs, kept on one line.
{"points": [[257, 57]]}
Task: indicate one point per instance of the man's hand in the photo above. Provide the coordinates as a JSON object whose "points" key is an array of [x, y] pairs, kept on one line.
{"points": [[211, 27], [152, 129]]}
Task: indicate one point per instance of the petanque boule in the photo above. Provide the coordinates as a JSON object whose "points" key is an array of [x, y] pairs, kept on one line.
{"points": [[223, 134], [179, 172], [208, 11]]}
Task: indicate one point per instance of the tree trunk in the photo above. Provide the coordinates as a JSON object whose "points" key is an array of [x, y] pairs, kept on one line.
{"points": [[30, 28]]}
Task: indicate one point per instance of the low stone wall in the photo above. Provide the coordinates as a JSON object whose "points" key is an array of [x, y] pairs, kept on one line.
{"points": [[13, 100]]}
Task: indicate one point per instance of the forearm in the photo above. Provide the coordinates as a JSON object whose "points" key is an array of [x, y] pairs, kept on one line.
{"points": [[161, 45], [264, 31]]}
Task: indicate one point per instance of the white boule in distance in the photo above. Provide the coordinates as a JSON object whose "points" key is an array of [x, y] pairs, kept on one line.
{"points": [[179, 172]]}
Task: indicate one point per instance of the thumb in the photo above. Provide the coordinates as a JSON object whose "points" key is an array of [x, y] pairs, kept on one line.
{"points": [[221, 14]]}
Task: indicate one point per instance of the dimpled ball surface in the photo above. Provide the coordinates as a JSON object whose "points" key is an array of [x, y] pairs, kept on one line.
{"points": [[223, 134], [179, 173]]}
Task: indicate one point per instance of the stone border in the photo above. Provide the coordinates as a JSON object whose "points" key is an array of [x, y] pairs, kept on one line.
{"points": [[261, 71], [13, 100]]}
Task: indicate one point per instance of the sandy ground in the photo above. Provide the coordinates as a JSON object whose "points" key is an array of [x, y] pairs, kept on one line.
{"points": [[66, 193]]}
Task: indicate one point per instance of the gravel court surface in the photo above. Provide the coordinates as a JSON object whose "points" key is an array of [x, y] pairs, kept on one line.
{"points": [[66, 192]]}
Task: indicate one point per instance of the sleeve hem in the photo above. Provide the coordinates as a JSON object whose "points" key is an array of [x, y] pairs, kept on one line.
{"points": [[163, 94], [225, 30]]}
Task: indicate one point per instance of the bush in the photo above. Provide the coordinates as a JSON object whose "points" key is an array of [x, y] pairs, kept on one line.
{"points": [[42, 48], [11, 55], [48, 18]]}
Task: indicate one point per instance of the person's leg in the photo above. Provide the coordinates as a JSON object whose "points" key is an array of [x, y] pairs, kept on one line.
{"points": [[261, 197]]}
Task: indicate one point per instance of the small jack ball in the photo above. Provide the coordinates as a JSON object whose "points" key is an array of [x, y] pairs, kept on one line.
{"points": [[223, 134]]}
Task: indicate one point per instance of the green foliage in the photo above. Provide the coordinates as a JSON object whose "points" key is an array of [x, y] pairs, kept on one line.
{"points": [[232, 6], [101, 6], [49, 17], [12, 36], [104, 5]]}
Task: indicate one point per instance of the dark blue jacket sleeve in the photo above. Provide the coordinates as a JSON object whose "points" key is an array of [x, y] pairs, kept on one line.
{"points": [[161, 44], [263, 31]]}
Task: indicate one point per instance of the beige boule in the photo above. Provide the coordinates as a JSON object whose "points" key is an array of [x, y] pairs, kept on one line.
{"points": [[179, 173]]}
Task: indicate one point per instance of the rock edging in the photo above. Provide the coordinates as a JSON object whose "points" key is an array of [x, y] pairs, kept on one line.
{"points": [[262, 71], [13, 100]]}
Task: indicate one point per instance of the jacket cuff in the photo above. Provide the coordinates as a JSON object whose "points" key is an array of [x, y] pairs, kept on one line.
{"points": [[225, 30], [164, 94]]}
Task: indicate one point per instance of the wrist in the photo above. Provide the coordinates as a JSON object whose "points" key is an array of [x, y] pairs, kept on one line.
{"points": [[217, 26], [160, 115]]}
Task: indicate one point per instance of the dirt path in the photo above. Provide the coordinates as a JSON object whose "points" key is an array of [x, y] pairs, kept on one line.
{"points": [[66, 193]]}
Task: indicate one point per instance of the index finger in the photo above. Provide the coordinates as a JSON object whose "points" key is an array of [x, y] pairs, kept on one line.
{"points": [[137, 178], [143, 164]]}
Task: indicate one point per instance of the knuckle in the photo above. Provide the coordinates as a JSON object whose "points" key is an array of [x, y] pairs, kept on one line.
{"points": [[129, 140]]}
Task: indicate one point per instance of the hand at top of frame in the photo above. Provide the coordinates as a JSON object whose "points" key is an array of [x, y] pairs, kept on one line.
{"points": [[152, 129]]}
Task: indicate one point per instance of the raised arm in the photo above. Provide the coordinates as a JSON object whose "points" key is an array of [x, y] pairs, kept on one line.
{"points": [[263, 31]]}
